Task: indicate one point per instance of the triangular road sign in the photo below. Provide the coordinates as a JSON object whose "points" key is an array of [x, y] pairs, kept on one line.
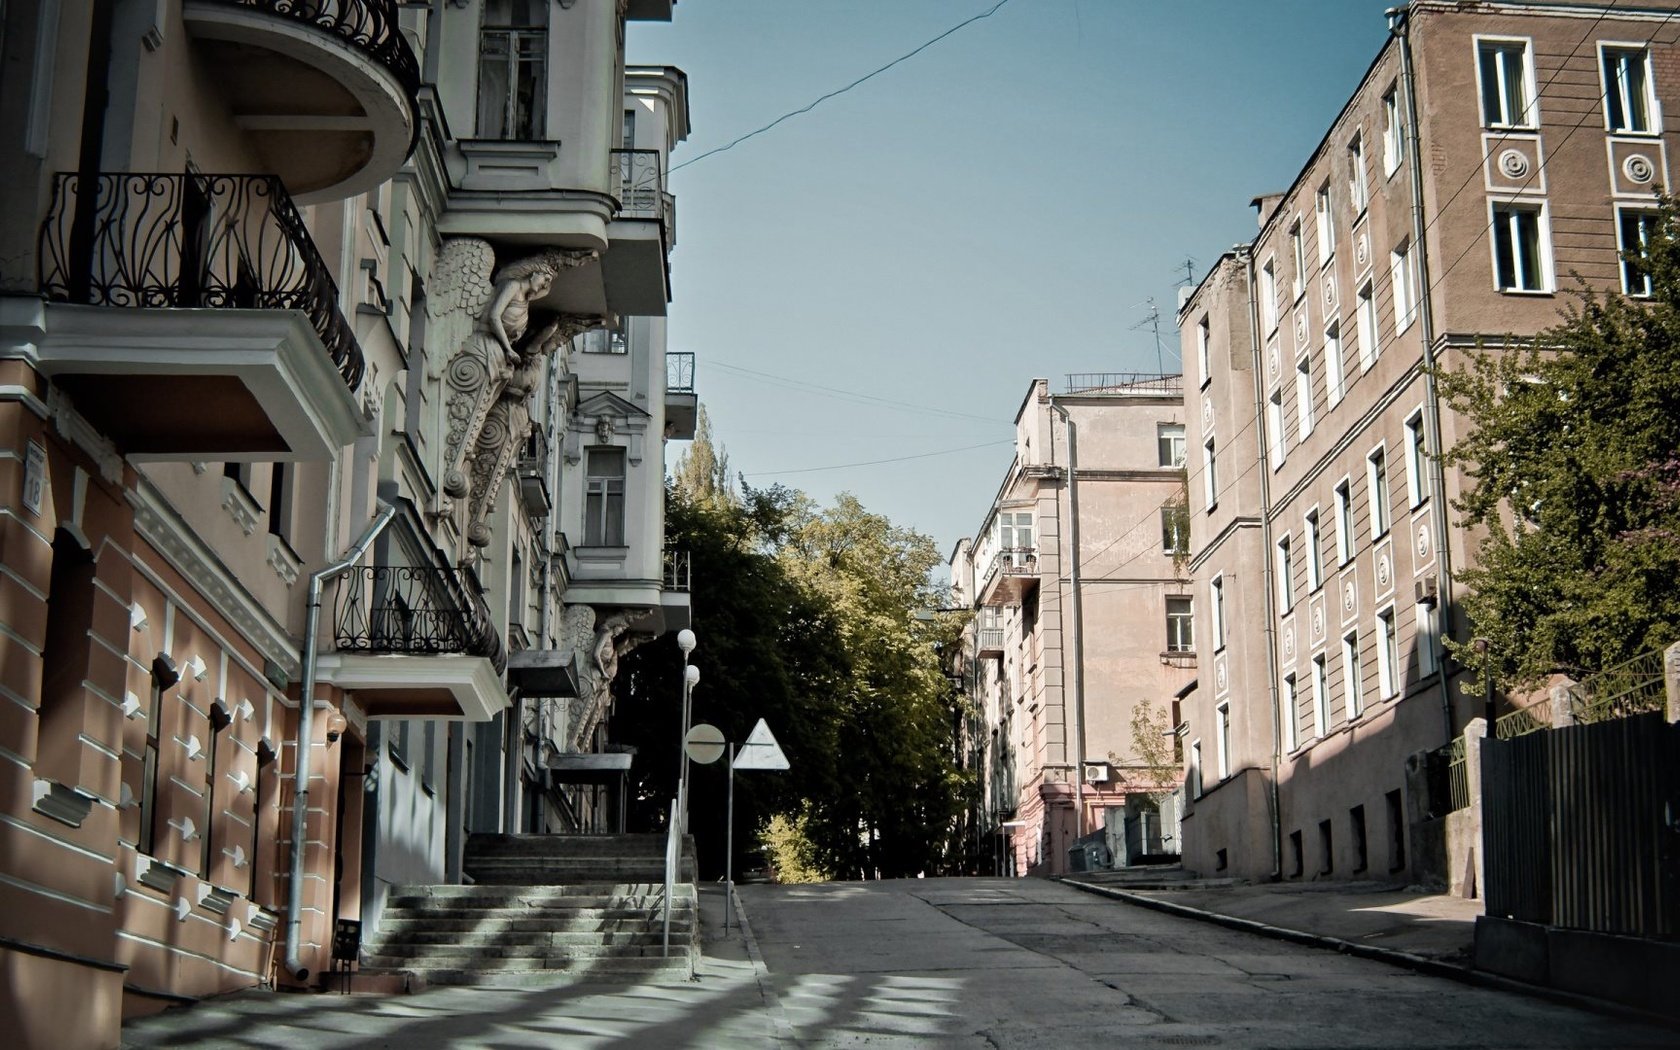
{"points": [[760, 751]]}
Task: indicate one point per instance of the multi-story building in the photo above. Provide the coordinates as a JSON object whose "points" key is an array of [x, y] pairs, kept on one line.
{"points": [[1080, 617], [1491, 152], [304, 457]]}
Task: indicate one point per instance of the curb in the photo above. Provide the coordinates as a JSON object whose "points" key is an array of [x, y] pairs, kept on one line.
{"points": [[782, 1030], [1431, 967]]}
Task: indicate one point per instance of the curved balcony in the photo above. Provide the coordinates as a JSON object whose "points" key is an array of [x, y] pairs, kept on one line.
{"points": [[1013, 571], [191, 317], [325, 89]]}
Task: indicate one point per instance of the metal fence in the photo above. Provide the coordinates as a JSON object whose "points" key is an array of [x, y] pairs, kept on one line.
{"points": [[1629, 688], [1124, 383], [679, 372], [1578, 829]]}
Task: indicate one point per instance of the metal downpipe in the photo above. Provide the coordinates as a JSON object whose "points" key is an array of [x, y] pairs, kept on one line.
{"points": [[306, 725]]}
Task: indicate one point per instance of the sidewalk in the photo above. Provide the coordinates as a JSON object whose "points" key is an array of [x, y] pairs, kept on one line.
{"points": [[724, 1005]]}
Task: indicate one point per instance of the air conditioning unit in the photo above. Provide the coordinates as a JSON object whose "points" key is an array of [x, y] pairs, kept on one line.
{"points": [[1096, 772], [1427, 590]]}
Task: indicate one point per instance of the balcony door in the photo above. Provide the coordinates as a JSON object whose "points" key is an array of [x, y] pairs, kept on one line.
{"points": [[513, 70], [1015, 536]]}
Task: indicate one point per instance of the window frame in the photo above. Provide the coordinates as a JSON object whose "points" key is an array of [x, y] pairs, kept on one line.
{"points": [[1181, 624], [1284, 564], [1424, 633], [1174, 531], [1204, 355], [1394, 132], [600, 486], [1377, 484], [1643, 215], [1312, 533], [1345, 545], [1277, 439], [1509, 208], [1292, 710], [1320, 696], [1165, 439], [1210, 475], [1222, 739], [1359, 185], [513, 37], [1324, 216], [1304, 420], [1335, 376], [1216, 610], [1417, 459], [1365, 325], [1388, 654], [1652, 102], [1402, 276], [1298, 253], [1528, 121], [1268, 296], [1353, 676]]}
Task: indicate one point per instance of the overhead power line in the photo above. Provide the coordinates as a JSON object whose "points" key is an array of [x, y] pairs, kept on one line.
{"points": [[989, 12], [878, 462], [854, 396]]}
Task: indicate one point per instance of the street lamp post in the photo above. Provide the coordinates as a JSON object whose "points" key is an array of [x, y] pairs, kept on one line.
{"points": [[691, 675]]}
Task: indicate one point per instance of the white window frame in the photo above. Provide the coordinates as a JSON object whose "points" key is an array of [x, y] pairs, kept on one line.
{"points": [[1531, 97], [1216, 610], [1344, 520], [1185, 640], [1417, 460], [1376, 491], [1292, 711], [1325, 219], [1394, 132], [1653, 105], [1268, 296], [1388, 655], [1195, 769], [1335, 379], [1303, 397], [1285, 568], [1353, 685], [1298, 250], [1623, 213], [606, 497], [1174, 531], [1222, 738], [1171, 436], [1210, 476], [1403, 277], [1359, 187], [1506, 210], [1320, 696], [1423, 638], [1203, 343], [1279, 441], [1310, 529], [1366, 325]]}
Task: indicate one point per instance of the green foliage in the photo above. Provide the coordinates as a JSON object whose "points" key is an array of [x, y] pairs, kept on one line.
{"points": [[787, 845], [1152, 744], [1573, 475]]}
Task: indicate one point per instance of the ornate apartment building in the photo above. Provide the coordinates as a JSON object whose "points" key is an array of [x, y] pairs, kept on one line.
{"points": [[1080, 615], [332, 431], [1493, 153]]}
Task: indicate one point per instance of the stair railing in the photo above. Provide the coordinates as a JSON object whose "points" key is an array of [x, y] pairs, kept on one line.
{"points": [[673, 853]]}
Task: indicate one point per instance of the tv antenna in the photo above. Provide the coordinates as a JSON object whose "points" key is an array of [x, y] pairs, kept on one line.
{"points": [[1153, 322]]}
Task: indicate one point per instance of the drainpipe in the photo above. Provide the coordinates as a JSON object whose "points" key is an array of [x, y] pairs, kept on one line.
{"points": [[1399, 26], [306, 719], [1246, 254], [1078, 620]]}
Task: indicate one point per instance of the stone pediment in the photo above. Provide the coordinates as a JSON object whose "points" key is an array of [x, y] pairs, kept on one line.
{"points": [[607, 403]]}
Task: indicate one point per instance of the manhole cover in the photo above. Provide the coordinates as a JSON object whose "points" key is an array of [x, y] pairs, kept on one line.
{"points": [[1187, 1040]]}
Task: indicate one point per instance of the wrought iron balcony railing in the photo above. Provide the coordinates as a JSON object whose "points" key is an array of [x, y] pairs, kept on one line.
{"points": [[677, 570], [190, 240], [679, 372], [1014, 561], [415, 610], [1124, 383], [639, 177], [369, 26]]}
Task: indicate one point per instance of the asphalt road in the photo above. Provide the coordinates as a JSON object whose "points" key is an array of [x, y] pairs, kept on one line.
{"points": [[1024, 963]]}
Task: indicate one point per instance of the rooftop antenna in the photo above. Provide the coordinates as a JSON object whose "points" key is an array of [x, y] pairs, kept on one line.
{"points": [[1189, 265], [1154, 322]]}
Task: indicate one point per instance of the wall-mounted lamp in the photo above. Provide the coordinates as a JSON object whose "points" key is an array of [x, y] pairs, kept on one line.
{"points": [[336, 725]]}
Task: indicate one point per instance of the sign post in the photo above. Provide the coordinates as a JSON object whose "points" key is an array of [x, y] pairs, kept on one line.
{"points": [[759, 751]]}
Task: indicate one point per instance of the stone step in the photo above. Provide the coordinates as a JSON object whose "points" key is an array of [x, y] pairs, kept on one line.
{"points": [[569, 845], [544, 905], [547, 892], [464, 954], [679, 964], [396, 943], [456, 922], [520, 959]]}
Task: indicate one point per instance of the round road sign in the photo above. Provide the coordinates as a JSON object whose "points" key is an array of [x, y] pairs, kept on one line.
{"points": [[705, 744]]}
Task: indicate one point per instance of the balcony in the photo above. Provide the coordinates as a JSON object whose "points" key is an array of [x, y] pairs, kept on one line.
{"points": [[1012, 572], [415, 642], [190, 317], [636, 266], [988, 641], [532, 471], [325, 90], [674, 600], [682, 405]]}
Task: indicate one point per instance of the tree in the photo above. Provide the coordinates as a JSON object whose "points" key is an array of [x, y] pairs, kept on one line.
{"points": [[1572, 473]]}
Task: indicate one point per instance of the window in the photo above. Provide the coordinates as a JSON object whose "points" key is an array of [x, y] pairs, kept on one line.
{"points": [[399, 744], [1359, 194], [512, 70], [1388, 656], [1175, 539], [1376, 482], [1366, 327], [1352, 676], [1274, 428], [1015, 535], [1634, 230], [1396, 830], [1424, 638], [1195, 769], [603, 505], [1291, 712], [1344, 523], [1203, 358], [1222, 723], [428, 756], [1326, 847], [1169, 444], [1629, 103], [1303, 396], [149, 771], [1210, 475], [1507, 94], [1394, 133], [1315, 551], [1320, 696], [280, 484], [1285, 575], [1216, 590], [1361, 855], [1268, 297], [1521, 260], [1181, 636], [1298, 251], [1334, 384], [1326, 221], [1404, 277], [1417, 460]]}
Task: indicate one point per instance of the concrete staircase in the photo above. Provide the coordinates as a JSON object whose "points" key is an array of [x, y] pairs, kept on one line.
{"points": [[542, 906]]}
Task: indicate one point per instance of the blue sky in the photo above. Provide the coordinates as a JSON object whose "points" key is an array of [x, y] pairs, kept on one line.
{"points": [[997, 208]]}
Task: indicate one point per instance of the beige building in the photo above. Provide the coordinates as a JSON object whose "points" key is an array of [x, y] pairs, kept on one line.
{"points": [[1080, 616], [298, 403], [1492, 152]]}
